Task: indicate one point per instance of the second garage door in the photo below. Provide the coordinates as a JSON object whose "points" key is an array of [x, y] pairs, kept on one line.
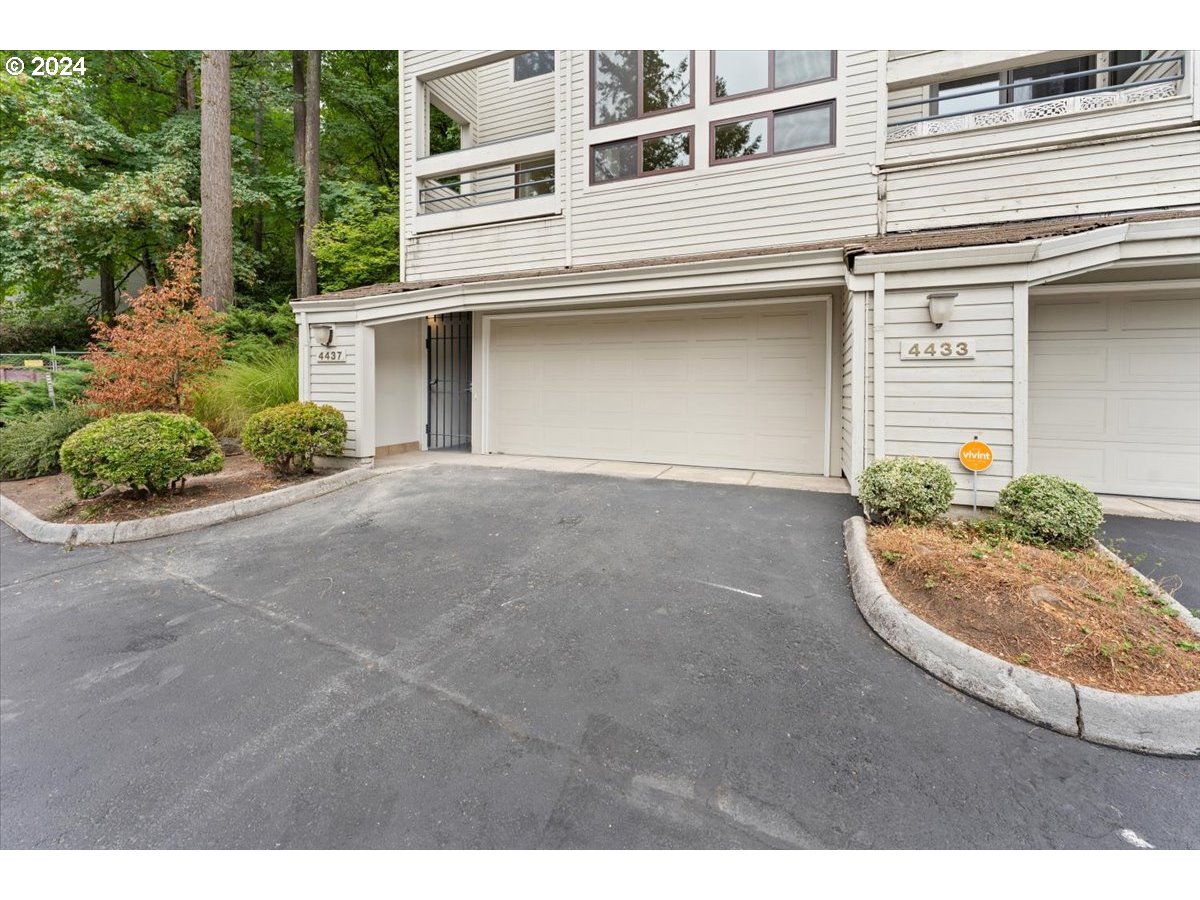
{"points": [[1114, 392], [741, 387]]}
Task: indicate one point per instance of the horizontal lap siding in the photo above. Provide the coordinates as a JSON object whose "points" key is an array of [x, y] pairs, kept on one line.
{"points": [[1140, 173], [505, 247], [336, 384], [932, 407], [509, 109]]}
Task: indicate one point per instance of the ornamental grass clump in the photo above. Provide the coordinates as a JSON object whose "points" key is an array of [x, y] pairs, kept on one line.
{"points": [[905, 490], [286, 438], [29, 445], [147, 451], [1050, 510]]}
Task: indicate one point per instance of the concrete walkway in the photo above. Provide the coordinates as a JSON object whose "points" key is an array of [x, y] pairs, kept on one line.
{"points": [[659, 471], [1150, 508]]}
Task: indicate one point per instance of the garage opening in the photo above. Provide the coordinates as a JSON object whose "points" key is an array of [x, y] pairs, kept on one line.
{"points": [[736, 385], [448, 351]]}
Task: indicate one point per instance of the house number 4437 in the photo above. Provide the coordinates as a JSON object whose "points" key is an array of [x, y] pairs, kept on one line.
{"points": [[959, 348]]}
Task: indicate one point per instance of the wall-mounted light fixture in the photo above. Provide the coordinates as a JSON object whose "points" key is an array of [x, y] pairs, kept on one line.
{"points": [[941, 307], [322, 333]]}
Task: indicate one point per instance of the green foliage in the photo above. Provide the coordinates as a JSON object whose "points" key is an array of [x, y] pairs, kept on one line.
{"points": [[251, 331], [34, 396], [361, 245], [286, 438], [1050, 510], [151, 451], [29, 446], [243, 387], [25, 329], [906, 490]]}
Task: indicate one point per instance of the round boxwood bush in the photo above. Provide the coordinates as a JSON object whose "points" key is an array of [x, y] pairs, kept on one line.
{"points": [[150, 451], [286, 438], [1050, 510], [906, 490]]}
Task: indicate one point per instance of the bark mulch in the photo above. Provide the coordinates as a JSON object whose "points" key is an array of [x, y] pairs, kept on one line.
{"points": [[1073, 614]]}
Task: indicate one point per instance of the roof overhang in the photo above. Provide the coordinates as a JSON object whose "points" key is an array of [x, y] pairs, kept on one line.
{"points": [[768, 275]]}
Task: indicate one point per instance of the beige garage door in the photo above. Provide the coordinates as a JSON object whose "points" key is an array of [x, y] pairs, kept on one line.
{"points": [[1114, 392], [739, 387]]}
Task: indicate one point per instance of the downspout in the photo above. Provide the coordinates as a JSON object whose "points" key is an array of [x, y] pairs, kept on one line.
{"points": [[879, 366]]}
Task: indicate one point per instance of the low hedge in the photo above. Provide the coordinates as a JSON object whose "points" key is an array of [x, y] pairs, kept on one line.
{"points": [[149, 451], [286, 438], [1050, 510], [29, 444], [906, 490]]}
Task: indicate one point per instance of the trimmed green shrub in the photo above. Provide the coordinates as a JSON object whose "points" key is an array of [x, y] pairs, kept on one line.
{"points": [[249, 331], [1050, 510], [150, 451], [286, 438], [26, 328], [29, 445], [238, 389], [70, 382], [906, 490]]}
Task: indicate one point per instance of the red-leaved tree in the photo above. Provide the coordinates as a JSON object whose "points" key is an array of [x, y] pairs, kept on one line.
{"points": [[153, 355]]}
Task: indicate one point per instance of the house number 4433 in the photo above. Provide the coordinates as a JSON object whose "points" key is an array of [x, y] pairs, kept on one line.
{"points": [[959, 348]]}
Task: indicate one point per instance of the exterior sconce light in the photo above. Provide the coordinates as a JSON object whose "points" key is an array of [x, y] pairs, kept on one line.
{"points": [[941, 308], [323, 334]]}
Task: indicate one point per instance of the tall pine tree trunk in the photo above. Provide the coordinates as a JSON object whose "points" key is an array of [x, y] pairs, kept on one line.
{"points": [[298, 153], [259, 115], [216, 184], [312, 170]]}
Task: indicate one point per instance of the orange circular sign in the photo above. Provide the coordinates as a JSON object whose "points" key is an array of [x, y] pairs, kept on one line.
{"points": [[975, 456]]}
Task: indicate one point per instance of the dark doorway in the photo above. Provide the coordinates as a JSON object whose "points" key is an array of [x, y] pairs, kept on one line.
{"points": [[448, 350]]}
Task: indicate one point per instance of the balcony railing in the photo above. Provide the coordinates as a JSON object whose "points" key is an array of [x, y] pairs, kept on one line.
{"points": [[1153, 78], [467, 191]]}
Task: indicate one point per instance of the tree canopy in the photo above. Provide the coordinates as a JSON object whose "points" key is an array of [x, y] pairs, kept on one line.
{"points": [[103, 170]]}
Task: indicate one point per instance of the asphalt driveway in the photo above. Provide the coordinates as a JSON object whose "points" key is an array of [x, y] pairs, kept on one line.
{"points": [[462, 657]]}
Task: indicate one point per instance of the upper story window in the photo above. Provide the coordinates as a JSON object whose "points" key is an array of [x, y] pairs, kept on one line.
{"points": [[1023, 85], [533, 64], [630, 84], [773, 133], [740, 73], [652, 154]]}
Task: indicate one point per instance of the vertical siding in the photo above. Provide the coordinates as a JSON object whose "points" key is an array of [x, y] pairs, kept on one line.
{"points": [[336, 383]]}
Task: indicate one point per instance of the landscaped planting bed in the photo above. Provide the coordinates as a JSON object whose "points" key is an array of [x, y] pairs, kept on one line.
{"points": [[1069, 613], [51, 498]]}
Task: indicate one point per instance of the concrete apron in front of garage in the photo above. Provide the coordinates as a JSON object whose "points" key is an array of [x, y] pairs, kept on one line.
{"points": [[616, 468]]}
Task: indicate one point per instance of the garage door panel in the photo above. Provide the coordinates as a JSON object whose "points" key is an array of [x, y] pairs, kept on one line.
{"points": [[1117, 409], [1167, 419], [1069, 316], [743, 387], [1159, 314]]}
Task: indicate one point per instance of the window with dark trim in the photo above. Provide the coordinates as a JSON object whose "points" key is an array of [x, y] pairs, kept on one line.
{"points": [[632, 84], [651, 154], [533, 64], [535, 177], [742, 73], [773, 133]]}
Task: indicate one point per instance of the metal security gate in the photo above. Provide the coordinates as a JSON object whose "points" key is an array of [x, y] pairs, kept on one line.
{"points": [[448, 351]]}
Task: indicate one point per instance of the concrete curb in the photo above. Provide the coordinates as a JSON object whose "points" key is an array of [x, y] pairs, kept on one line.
{"points": [[22, 520], [1163, 726]]}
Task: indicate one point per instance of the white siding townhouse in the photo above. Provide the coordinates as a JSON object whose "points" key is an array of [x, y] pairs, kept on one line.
{"points": [[793, 261]]}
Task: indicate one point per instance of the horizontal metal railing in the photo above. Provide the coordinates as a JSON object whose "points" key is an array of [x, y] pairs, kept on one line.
{"points": [[1006, 89], [463, 193]]}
